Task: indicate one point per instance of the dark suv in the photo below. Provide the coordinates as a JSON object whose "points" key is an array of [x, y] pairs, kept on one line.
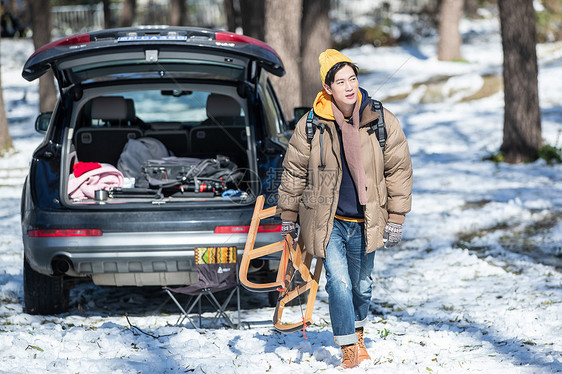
{"points": [[202, 94]]}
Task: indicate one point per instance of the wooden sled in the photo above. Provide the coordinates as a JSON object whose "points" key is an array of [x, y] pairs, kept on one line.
{"points": [[293, 263]]}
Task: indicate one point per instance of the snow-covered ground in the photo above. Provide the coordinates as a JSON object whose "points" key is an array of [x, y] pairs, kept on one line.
{"points": [[475, 287]]}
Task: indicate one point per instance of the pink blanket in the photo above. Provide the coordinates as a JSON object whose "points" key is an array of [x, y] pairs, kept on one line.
{"points": [[86, 184]]}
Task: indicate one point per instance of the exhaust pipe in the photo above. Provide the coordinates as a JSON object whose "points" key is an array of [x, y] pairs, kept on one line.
{"points": [[256, 265], [61, 265]]}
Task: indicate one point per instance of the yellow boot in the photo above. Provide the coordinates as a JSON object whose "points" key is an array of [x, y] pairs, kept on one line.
{"points": [[349, 356], [361, 349]]}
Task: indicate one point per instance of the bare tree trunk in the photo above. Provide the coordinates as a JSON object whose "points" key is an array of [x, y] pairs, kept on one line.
{"points": [[449, 47], [107, 19], [315, 39], [522, 136], [471, 8], [127, 16], [40, 11], [282, 32], [5, 138], [253, 18], [178, 12], [47, 92], [232, 11]]}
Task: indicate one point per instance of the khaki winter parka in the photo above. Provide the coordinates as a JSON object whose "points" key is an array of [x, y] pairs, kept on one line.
{"points": [[310, 192]]}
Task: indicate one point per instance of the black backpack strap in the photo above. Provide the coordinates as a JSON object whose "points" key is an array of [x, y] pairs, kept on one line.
{"points": [[378, 126], [311, 124]]}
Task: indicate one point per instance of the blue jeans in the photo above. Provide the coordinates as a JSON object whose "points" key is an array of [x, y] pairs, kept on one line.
{"points": [[348, 279]]}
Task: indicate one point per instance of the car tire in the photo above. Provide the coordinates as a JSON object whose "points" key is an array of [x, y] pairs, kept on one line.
{"points": [[44, 294]]}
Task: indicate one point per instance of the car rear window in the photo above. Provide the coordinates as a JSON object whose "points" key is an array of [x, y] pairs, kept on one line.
{"points": [[169, 106]]}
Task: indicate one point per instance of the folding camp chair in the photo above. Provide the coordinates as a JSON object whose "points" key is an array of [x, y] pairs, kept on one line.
{"points": [[217, 270]]}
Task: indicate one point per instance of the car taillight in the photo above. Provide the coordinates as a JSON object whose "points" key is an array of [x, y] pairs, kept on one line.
{"points": [[225, 36], [269, 228], [74, 39], [246, 229], [63, 233]]}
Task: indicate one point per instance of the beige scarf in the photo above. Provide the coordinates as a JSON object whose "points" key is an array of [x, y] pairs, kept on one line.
{"points": [[352, 149]]}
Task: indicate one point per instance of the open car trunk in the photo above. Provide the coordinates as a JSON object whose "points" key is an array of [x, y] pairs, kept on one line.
{"points": [[189, 91], [160, 145]]}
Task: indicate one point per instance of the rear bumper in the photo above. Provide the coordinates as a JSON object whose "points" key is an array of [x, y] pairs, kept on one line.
{"points": [[149, 258]]}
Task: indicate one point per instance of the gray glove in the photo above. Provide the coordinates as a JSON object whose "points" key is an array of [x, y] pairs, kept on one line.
{"points": [[288, 227], [392, 234]]}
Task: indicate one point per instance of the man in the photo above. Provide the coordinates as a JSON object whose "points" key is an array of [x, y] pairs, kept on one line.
{"points": [[350, 196]]}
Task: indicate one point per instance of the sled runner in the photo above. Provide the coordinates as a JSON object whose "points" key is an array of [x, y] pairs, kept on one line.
{"points": [[294, 263]]}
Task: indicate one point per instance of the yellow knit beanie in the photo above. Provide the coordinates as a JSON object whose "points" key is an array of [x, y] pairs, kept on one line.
{"points": [[328, 59]]}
